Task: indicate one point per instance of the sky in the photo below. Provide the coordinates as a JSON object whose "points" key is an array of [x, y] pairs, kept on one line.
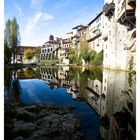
{"points": [[38, 19]]}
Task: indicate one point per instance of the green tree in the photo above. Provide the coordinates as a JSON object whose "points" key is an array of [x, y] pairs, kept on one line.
{"points": [[11, 40], [37, 52], [7, 52], [15, 38], [28, 54], [98, 59], [85, 51], [7, 42], [84, 47], [73, 55]]}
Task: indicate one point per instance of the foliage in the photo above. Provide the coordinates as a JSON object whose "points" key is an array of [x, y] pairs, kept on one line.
{"points": [[7, 52], [73, 55], [48, 62], [88, 55], [30, 72], [28, 54], [83, 44], [89, 73], [98, 59], [79, 62], [7, 42], [37, 52], [11, 40], [84, 49], [15, 38], [73, 72]]}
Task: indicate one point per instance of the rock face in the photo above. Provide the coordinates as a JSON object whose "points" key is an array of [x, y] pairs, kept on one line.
{"points": [[40, 122]]}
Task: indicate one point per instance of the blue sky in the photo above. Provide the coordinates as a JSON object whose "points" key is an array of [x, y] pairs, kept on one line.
{"points": [[40, 18]]}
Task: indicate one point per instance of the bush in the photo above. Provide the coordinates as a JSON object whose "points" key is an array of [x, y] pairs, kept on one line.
{"points": [[48, 62]]}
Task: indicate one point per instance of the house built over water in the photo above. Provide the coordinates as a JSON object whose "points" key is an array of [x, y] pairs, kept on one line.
{"points": [[113, 30]]}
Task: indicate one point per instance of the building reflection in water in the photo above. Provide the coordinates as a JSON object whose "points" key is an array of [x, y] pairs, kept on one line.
{"points": [[109, 93], [118, 107]]}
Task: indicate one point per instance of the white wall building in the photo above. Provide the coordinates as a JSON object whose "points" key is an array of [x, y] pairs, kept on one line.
{"points": [[56, 50], [49, 50], [119, 19], [94, 33]]}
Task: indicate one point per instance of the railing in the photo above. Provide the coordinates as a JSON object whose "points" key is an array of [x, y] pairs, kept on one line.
{"points": [[126, 14], [96, 34]]}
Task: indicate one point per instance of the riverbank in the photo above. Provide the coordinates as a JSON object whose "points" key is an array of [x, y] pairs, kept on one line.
{"points": [[40, 122], [18, 65]]}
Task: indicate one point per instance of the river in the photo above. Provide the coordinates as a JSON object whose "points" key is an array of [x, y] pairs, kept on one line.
{"points": [[104, 100]]}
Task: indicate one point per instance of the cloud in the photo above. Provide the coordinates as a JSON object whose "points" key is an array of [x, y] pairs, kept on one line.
{"points": [[19, 9], [32, 27], [39, 17], [37, 4]]}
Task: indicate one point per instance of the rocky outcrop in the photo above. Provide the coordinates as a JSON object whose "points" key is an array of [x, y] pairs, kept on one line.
{"points": [[40, 122], [130, 42]]}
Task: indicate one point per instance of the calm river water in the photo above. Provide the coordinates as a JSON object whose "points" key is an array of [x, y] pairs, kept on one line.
{"points": [[103, 100]]}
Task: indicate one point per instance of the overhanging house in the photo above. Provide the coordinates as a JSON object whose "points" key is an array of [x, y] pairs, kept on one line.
{"points": [[119, 38]]}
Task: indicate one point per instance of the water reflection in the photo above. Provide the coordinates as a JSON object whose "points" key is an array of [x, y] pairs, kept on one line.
{"points": [[117, 106], [109, 93]]}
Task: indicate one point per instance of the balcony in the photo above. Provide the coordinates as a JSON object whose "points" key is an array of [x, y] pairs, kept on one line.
{"points": [[96, 33], [109, 9], [126, 13], [132, 2]]}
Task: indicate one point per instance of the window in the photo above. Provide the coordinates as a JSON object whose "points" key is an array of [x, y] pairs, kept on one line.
{"points": [[99, 25], [119, 1], [98, 19], [98, 42]]}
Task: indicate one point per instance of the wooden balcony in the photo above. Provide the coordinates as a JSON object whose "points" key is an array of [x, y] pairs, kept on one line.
{"points": [[109, 9], [96, 33], [132, 2], [126, 13]]}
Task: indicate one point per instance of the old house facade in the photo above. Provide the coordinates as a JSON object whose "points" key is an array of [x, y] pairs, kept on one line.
{"points": [[94, 33], [119, 33]]}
